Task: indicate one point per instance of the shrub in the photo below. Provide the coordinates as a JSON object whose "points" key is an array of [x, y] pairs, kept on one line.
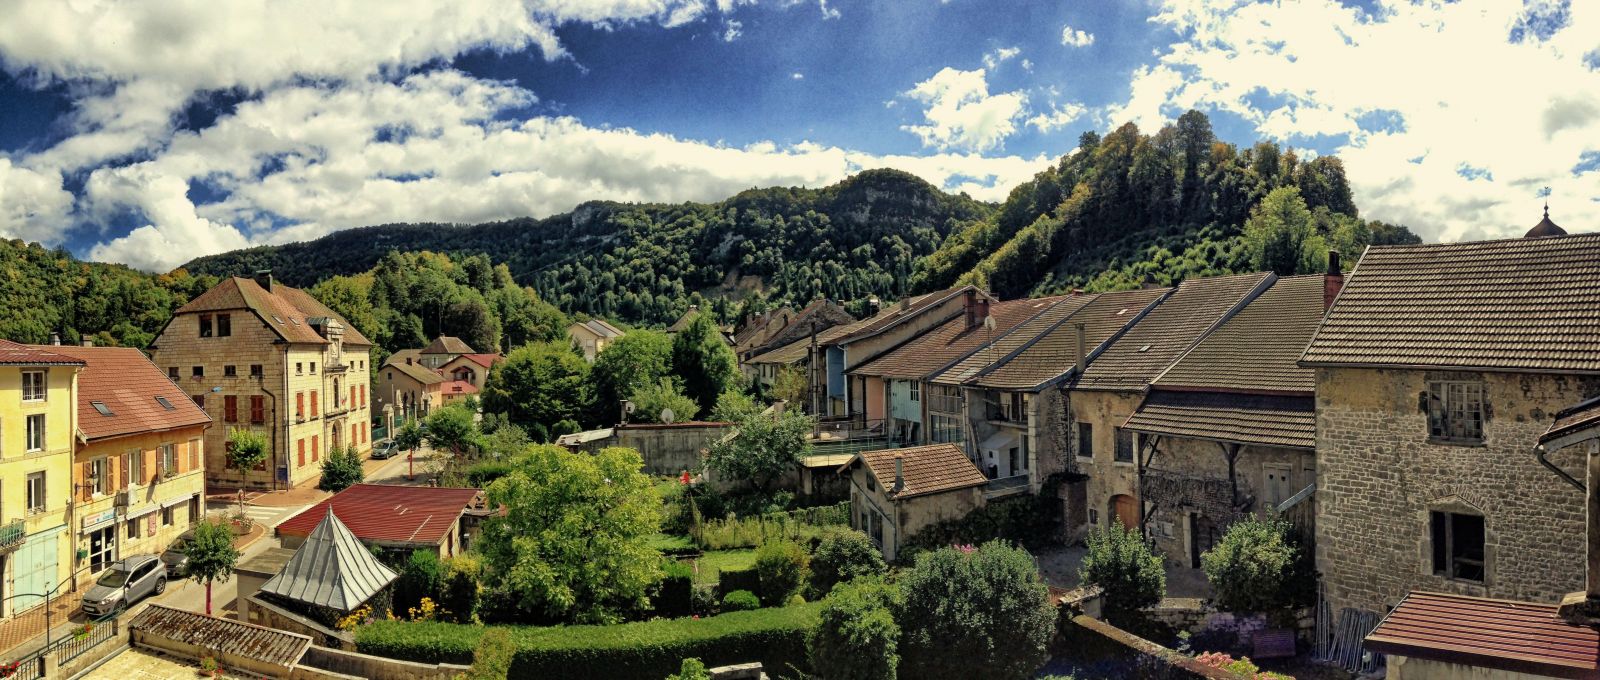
{"points": [[1250, 568], [748, 532], [729, 580], [691, 669], [427, 642], [858, 638], [1243, 666], [843, 554], [491, 659], [422, 576], [739, 601], [780, 568], [1025, 520], [675, 593], [481, 474], [973, 612], [341, 468], [1120, 561], [459, 592]]}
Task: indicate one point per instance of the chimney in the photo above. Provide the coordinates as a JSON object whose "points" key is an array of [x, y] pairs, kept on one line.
{"points": [[899, 473], [970, 305], [55, 339], [1083, 350], [874, 306], [1332, 281], [88, 342], [983, 309], [264, 279], [905, 303]]}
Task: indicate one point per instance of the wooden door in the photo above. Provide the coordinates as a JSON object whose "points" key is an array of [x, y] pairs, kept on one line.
{"points": [[1126, 510]]}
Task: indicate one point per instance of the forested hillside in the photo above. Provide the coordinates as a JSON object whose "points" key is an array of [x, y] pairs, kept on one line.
{"points": [[44, 291], [1129, 209], [647, 263]]}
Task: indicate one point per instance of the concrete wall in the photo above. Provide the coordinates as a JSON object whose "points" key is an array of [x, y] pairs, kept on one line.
{"points": [[229, 660], [1406, 668], [264, 613], [669, 450], [1378, 476], [905, 517], [350, 663]]}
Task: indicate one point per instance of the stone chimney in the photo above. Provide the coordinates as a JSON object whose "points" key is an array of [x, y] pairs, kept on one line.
{"points": [[1333, 281], [899, 473], [1083, 350], [87, 342], [55, 339], [874, 306], [905, 303], [970, 305], [264, 279]]}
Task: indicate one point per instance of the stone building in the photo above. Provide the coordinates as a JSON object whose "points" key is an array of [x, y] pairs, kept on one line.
{"points": [[139, 476], [1438, 367], [443, 350], [38, 416], [470, 368], [406, 388], [592, 337], [795, 334], [1230, 429], [260, 355], [894, 493]]}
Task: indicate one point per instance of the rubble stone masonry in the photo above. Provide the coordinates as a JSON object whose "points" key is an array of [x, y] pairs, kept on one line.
{"points": [[1379, 476]]}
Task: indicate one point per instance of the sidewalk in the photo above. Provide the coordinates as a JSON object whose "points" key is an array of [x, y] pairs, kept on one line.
{"points": [[16, 634], [306, 493]]}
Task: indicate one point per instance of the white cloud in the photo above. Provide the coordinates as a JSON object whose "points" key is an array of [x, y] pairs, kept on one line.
{"points": [[1057, 117], [732, 30], [1527, 113], [1000, 56], [797, 76], [961, 114], [33, 205], [827, 12], [1072, 37]]}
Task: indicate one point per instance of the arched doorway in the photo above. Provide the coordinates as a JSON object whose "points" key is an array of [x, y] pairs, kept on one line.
{"points": [[1126, 510]]}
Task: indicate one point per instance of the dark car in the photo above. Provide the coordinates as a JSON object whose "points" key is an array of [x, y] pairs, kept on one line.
{"points": [[384, 450], [124, 583], [175, 559]]}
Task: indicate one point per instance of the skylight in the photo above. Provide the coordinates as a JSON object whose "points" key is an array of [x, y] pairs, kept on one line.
{"points": [[102, 408], [277, 319], [166, 404]]}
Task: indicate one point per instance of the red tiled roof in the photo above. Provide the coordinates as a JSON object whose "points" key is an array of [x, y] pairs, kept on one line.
{"points": [[934, 350], [1053, 354], [481, 359], [1522, 637], [285, 310], [458, 387], [127, 384], [17, 354], [389, 514], [931, 469]]}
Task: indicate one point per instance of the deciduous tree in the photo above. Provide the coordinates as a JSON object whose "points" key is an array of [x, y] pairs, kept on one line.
{"points": [[762, 448], [211, 555], [974, 612], [539, 385], [703, 361]]}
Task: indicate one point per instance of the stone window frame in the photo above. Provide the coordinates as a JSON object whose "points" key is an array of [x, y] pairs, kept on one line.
{"points": [[1441, 412], [1456, 504]]}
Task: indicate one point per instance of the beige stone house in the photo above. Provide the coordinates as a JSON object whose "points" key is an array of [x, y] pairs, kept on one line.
{"points": [[759, 329], [264, 356], [794, 334], [894, 493], [592, 336], [1438, 367], [443, 350], [470, 368], [1230, 429], [411, 389]]}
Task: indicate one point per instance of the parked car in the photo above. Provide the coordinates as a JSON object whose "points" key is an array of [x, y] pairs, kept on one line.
{"points": [[384, 450], [124, 583], [175, 559]]}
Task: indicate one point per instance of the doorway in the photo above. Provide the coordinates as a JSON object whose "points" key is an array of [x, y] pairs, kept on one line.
{"points": [[1126, 510], [102, 548], [1202, 537]]}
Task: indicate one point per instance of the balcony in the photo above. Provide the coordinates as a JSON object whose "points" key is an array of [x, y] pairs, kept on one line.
{"points": [[1006, 486], [12, 536]]}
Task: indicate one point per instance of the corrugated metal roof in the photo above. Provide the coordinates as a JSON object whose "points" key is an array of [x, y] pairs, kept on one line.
{"points": [[1527, 304], [1522, 637], [1285, 421], [276, 647], [331, 569], [389, 514]]}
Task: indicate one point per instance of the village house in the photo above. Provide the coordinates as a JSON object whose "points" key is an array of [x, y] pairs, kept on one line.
{"points": [[405, 388], [788, 347], [1230, 429], [592, 337], [139, 477], [1438, 367], [263, 356], [759, 329], [894, 493], [443, 350], [38, 416], [470, 368], [394, 518]]}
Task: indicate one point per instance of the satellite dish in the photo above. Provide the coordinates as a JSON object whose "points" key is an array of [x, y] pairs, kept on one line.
{"points": [[667, 416], [988, 322]]}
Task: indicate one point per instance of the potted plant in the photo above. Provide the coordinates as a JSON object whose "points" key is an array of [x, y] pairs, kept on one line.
{"points": [[210, 667]]}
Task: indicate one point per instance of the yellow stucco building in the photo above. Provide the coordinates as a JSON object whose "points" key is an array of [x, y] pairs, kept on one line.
{"points": [[37, 421]]}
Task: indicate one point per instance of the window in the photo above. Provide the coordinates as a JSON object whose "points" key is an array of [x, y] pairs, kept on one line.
{"points": [[99, 476], [35, 493], [194, 454], [133, 463], [256, 371], [258, 409], [1125, 446], [1085, 440], [916, 391], [33, 385], [133, 528], [1455, 411], [314, 409], [301, 444], [363, 396], [1457, 546], [316, 447], [172, 373], [205, 325], [230, 371], [946, 428], [167, 515], [1018, 464], [945, 398], [198, 371], [224, 325], [313, 367], [200, 400], [337, 394], [101, 407], [299, 368], [300, 405], [165, 404], [36, 432], [230, 409]]}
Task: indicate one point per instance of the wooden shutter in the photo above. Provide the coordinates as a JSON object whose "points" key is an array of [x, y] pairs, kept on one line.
{"points": [[314, 409], [230, 408]]}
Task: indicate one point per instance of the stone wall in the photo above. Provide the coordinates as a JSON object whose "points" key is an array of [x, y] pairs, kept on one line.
{"points": [[1105, 411], [1190, 477], [1378, 476], [353, 664], [264, 613]]}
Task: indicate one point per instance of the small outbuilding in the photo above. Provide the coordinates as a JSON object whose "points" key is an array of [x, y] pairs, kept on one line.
{"points": [[894, 493]]}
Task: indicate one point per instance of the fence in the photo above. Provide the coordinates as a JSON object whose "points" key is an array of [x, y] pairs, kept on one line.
{"points": [[64, 651], [31, 668]]}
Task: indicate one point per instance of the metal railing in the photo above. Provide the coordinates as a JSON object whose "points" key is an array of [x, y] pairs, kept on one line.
{"points": [[13, 535], [31, 668], [69, 648]]}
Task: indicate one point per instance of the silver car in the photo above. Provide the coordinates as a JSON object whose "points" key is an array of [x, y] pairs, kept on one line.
{"points": [[124, 583]]}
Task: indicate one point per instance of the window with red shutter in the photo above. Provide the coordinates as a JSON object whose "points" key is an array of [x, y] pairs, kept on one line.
{"points": [[300, 405], [316, 445], [302, 456], [258, 409], [363, 396], [230, 408], [314, 410]]}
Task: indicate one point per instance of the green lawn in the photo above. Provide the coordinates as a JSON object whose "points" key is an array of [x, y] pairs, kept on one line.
{"points": [[709, 565], [666, 542], [668, 488]]}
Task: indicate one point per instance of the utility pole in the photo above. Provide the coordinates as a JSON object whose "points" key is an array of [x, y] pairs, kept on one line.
{"points": [[816, 395]]}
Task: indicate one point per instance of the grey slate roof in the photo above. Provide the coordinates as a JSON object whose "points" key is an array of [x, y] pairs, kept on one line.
{"points": [[331, 569], [1157, 341], [1258, 349], [1527, 304], [1243, 418]]}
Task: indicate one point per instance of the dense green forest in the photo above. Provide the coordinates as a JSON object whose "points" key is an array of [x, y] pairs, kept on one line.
{"points": [[44, 291], [1128, 209], [647, 263]]}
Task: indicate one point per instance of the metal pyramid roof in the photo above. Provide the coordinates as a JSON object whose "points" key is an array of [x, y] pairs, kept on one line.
{"points": [[331, 569]]}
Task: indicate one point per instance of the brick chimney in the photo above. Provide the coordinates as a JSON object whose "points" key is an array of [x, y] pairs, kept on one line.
{"points": [[1333, 281], [264, 279]]}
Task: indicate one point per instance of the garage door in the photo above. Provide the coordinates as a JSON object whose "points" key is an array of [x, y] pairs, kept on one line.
{"points": [[33, 569]]}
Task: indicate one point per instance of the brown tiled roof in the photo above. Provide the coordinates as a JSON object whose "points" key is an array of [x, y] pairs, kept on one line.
{"points": [[127, 384], [458, 387], [1580, 416], [1521, 637], [418, 372], [900, 313], [1258, 349], [391, 514], [285, 310], [17, 354], [1517, 304], [799, 349], [1229, 417], [447, 344], [1146, 349], [400, 356], [936, 468], [1004, 345], [1055, 352], [953, 340], [484, 360]]}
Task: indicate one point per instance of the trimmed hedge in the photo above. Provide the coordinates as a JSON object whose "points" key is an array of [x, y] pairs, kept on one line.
{"points": [[740, 601], [729, 580], [674, 596], [647, 650]]}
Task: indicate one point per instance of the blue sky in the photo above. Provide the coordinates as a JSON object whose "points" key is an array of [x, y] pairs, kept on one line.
{"points": [[151, 134]]}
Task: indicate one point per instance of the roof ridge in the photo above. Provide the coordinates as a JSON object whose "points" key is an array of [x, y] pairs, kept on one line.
{"points": [[1269, 281]]}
